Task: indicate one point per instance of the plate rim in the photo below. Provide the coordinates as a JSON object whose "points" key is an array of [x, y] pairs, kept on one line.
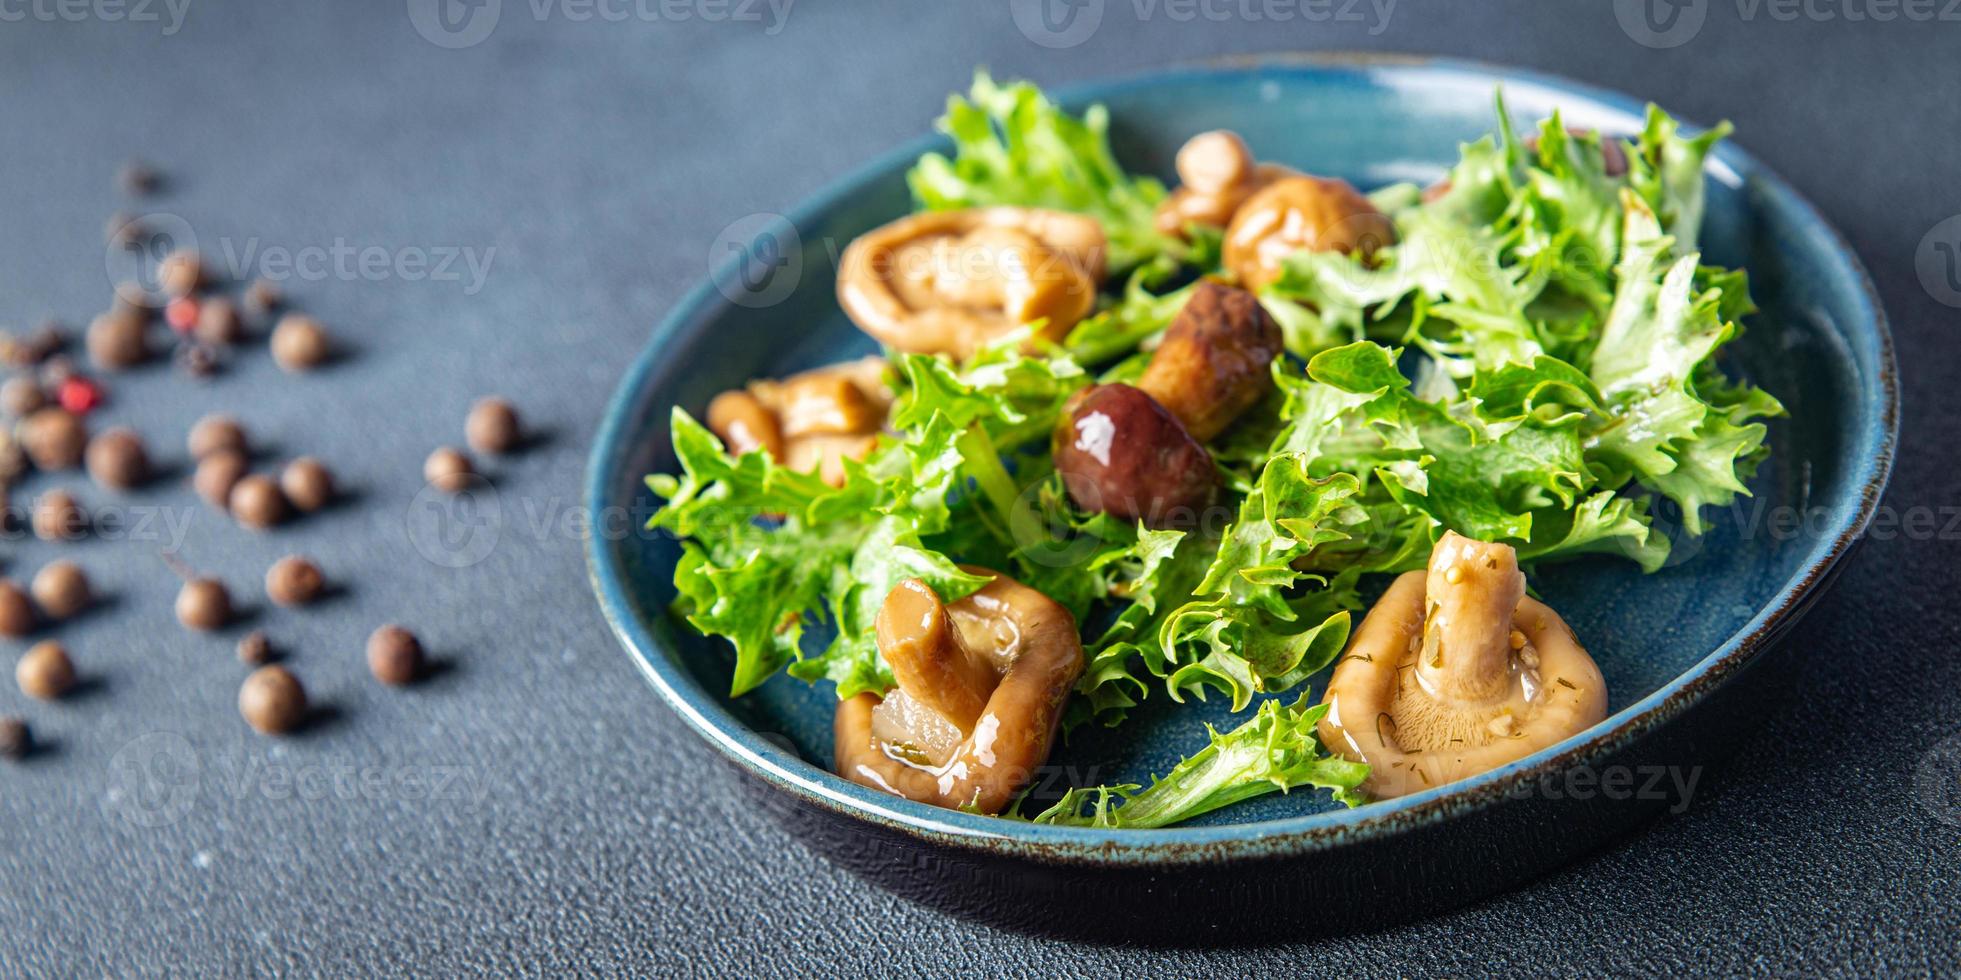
{"points": [[785, 770]]}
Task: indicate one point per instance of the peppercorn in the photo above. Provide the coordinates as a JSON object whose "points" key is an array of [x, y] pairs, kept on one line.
{"points": [[257, 502], [132, 299], [54, 438], [204, 604], [15, 740], [218, 322], [262, 297], [198, 359], [272, 701], [58, 516], [44, 671], [116, 459], [215, 432], [22, 396], [58, 369], [299, 343], [394, 655], [294, 581], [118, 339], [492, 426], [181, 272], [47, 340], [255, 648], [137, 178], [61, 589], [78, 395], [307, 483], [17, 618], [216, 475], [182, 313], [448, 470], [13, 459]]}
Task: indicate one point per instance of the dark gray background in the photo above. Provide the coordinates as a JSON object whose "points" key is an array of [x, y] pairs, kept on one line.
{"points": [[535, 807]]}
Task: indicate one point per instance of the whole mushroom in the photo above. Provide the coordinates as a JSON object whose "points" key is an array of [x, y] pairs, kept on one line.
{"points": [[1456, 672], [949, 282], [981, 686], [1216, 174], [1301, 214], [810, 421]]}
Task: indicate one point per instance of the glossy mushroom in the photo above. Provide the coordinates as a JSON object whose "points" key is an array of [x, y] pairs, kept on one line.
{"points": [[948, 282], [1137, 452], [1301, 214], [1216, 174], [982, 683], [1456, 672], [810, 421]]}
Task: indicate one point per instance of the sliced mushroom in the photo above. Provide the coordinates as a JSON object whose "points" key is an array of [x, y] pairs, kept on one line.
{"points": [[1296, 214], [1216, 174], [809, 421], [982, 684], [1456, 672], [948, 282], [1137, 452]]}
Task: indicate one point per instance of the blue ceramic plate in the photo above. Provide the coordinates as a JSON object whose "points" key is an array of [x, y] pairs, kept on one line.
{"points": [[1664, 641]]}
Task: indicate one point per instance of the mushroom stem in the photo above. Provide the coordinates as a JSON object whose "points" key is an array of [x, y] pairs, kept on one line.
{"points": [[1471, 591], [928, 658]]}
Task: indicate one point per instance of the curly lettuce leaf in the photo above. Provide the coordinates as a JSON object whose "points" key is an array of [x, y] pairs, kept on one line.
{"points": [[1274, 751], [1013, 146]]}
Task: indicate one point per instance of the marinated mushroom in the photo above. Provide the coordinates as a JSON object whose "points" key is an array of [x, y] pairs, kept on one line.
{"points": [[1297, 214], [982, 683], [948, 282], [1455, 672], [1137, 452], [810, 421], [1216, 174]]}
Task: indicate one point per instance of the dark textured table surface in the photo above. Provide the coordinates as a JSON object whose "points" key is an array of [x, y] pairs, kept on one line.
{"points": [[534, 807]]}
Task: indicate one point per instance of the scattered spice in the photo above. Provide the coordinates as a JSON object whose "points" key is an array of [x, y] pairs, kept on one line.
{"points": [[58, 516], [15, 739], [214, 433], [44, 671], [181, 272], [217, 473], [17, 618], [138, 179], [58, 369], [255, 648], [13, 459], [394, 655], [117, 460], [448, 470], [182, 313], [204, 604], [492, 426], [198, 359], [78, 395], [54, 438], [22, 396], [294, 581], [257, 502], [272, 701], [308, 484], [299, 343], [263, 297], [218, 322], [117, 339], [61, 590]]}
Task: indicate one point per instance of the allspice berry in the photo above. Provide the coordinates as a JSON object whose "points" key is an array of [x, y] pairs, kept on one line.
{"points": [[257, 502], [262, 297], [15, 739], [213, 433], [272, 701], [308, 484], [255, 649], [204, 604], [22, 396], [218, 322], [299, 343], [394, 655], [13, 459], [181, 272], [58, 517], [17, 617], [44, 671], [448, 470], [217, 474], [492, 426], [294, 581], [118, 339], [61, 589], [54, 438], [116, 459]]}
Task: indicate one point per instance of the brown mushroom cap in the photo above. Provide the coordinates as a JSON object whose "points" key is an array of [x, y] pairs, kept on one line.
{"points": [[814, 420], [948, 282], [1456, 672], [1301, 213], [1007, 646], [1217, 173]]}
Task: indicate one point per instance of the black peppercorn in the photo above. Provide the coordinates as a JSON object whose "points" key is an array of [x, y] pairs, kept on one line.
{"points": [[394, 655]]}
